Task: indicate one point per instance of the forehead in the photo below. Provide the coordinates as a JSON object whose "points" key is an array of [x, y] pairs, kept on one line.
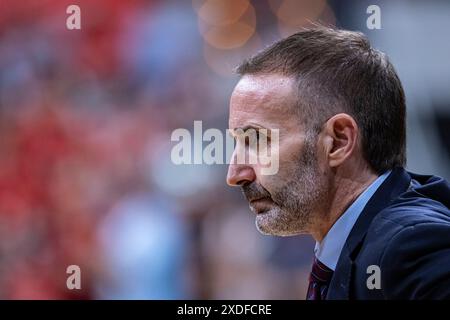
{"points": [[265, 100]]}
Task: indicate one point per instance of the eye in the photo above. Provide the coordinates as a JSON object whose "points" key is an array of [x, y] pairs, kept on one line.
{"points": [[263, 134], [254, 137], [257, 134], [251, 136]]}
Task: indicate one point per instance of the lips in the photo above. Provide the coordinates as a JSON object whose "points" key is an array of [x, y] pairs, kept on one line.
{"points": [[260, 205], [257, 199]]}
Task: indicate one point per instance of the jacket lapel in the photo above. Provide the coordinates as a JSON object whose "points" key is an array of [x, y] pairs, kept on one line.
{"points": [[397, 183]]}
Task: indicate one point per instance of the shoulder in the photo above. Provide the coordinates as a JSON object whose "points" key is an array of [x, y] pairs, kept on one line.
{"points": [[409, 240], [424, 203], [422, 207], [409, 215]]}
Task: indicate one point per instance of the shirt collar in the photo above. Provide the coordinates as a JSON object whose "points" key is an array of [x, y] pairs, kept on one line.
{"points": [[329, 250]]}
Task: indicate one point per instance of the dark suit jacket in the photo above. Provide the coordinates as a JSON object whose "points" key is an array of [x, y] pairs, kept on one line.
{"points": [[405, 231]]}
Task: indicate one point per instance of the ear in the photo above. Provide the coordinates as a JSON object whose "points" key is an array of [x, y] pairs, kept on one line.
{"points": [[340, 138]]}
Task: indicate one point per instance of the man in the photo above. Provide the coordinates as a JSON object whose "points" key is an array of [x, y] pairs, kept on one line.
{"points": [[339, 108]]}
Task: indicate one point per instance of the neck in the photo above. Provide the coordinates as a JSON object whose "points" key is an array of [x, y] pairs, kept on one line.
{"points": [[345, 190]]}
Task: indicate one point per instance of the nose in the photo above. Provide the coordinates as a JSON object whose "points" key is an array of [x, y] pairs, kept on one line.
{"points": [[239, 174]]}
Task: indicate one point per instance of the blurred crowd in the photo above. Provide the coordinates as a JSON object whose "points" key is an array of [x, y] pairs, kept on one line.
{"points": [[85, 172]]}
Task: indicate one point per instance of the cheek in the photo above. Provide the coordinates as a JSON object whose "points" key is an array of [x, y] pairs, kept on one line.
{"points": [[289, 156], [288, 161]]}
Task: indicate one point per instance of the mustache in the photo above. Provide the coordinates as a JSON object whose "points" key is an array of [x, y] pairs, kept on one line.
{"points": [[254, 191]]}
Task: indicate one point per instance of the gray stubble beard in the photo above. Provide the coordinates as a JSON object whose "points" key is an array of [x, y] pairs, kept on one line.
{"points": [[295, 204]]}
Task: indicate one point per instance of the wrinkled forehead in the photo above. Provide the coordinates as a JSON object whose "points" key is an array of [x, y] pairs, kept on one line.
{"points": [[265, 100]]}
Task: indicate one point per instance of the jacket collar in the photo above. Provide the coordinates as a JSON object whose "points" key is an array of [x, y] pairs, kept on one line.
{"points": [[397, 183]]}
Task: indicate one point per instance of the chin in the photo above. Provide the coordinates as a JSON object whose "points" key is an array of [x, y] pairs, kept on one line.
{"points": [[273, 223]]}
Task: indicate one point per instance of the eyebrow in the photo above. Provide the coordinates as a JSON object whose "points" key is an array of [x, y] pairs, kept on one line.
{"points": [[247, 127]]}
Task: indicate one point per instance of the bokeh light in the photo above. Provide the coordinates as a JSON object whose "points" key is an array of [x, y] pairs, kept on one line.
{"points": [[226, 24]]}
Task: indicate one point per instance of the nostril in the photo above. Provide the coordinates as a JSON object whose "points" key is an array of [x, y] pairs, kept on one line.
{"points": [[240, 175], [243, 183]]}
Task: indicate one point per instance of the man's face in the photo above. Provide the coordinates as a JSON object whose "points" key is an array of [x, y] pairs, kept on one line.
{"points": [[284, 202]]}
